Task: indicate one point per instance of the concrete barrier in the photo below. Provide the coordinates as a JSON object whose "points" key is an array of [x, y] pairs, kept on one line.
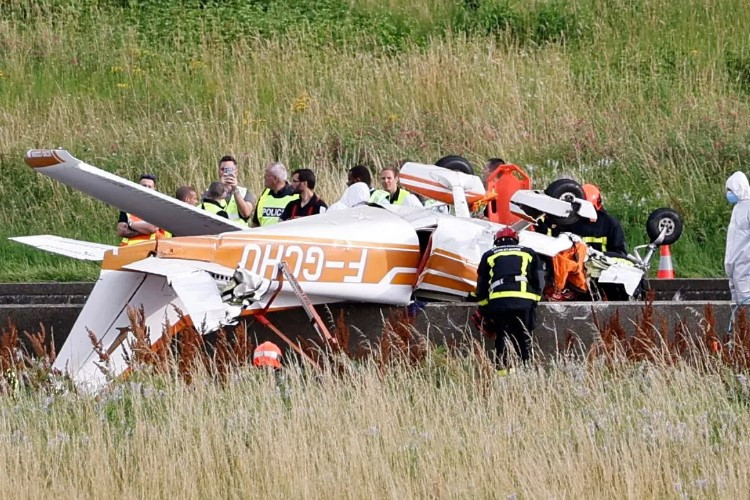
{"points": [[57, 305]]}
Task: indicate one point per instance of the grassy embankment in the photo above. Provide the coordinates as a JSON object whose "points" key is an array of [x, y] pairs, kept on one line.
{"points": [[649, 100]]}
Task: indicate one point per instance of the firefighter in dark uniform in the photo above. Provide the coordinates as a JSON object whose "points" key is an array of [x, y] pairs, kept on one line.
{"points": [[605, 234], [510, 279]]}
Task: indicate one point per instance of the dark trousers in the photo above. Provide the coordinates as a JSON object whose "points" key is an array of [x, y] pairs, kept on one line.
{"points": [[515, 326]]}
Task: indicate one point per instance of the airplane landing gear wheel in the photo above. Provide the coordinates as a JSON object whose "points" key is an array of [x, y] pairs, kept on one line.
{"points": [[664, 219], [565, 190], [456, 163]]}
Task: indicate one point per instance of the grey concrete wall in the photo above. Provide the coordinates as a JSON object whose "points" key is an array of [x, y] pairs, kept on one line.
{"points": [[56, 305]]}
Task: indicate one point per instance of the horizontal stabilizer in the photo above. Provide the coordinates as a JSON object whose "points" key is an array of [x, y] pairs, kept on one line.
{"points": [[195, 283], [81, 250], [526, 203], [442, 184], [170, 214]]}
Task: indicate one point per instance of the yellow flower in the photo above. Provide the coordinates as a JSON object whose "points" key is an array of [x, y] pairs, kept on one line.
{"points": [[196, 64], [115, 69], [138, 71], [2, 75], [301, 104], [122, 85], [393, 118]]}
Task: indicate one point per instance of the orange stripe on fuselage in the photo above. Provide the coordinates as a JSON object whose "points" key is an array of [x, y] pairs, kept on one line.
{"points": [[325, 260], [451, 266]]}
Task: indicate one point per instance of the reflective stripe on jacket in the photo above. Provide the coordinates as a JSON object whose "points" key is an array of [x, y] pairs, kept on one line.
{"points": [[592, 241], [508, 272], [380, 194], [140, 237]]}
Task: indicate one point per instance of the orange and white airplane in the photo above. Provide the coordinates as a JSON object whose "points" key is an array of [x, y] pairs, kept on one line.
{"points": [[217, 271]]}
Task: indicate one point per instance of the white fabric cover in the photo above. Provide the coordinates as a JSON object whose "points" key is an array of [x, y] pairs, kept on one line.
{"points": [[737, 255]]}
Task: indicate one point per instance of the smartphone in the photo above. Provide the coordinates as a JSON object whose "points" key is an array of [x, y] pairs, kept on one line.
{"points": [[228, 170]]}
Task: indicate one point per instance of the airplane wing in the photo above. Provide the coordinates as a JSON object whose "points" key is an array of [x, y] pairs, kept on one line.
{"points": [[177, 217], [81, 250]]}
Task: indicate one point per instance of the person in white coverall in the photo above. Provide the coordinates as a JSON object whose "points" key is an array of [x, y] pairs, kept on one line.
{"points": [[737, 255]]}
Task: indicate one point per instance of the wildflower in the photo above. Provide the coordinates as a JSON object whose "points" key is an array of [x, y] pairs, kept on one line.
{"points": [[393, 118], [3, 75], [115, 69], [701, 483], [196, 64], [122, 85], [301, 104], [138, 71], [60, 438]]}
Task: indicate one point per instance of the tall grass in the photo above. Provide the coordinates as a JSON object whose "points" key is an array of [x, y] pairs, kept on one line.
{"points": [[640, 417], [570, 431], [630, 96]]}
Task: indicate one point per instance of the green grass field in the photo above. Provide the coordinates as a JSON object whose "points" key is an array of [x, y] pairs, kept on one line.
{"points": [[647, 99]]}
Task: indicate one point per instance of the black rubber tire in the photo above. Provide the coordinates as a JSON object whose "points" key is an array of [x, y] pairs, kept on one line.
{"points": [[664, 218], [456, 163], [565, 189]]}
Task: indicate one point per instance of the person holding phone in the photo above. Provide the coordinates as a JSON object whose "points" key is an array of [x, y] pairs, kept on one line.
{"points": [[238, 200]]}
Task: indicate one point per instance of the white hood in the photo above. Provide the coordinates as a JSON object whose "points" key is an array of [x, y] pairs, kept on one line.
{"points": [[738, 184], [737, 254]]}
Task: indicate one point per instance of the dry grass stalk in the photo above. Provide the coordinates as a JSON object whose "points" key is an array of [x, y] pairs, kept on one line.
{"points": [[400, 342]]}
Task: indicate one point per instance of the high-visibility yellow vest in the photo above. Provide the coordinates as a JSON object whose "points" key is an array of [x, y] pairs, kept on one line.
{"points": [[140, 238], [231, 208], [270, 208], [381, 194]]}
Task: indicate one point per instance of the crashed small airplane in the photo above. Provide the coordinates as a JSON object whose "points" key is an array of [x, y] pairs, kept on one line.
{"points": [[218, 272]]}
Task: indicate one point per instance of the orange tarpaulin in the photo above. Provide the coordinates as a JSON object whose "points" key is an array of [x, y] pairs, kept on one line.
{"points": [[568, 268]]}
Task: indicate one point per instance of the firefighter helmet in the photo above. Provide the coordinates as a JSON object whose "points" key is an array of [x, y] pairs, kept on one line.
{"points": [[506, 233], [593, 195], [267, 354]]}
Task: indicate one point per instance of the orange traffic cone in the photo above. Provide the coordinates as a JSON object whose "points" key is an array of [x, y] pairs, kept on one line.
{"points": [[666, 270]]}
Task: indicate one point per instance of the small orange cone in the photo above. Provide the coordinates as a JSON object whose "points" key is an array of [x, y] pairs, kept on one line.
{"points": [[666, 270]]}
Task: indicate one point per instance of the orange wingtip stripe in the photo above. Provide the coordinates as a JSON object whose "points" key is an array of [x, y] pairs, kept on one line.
{"points": [[450, 266], [38, 158]]}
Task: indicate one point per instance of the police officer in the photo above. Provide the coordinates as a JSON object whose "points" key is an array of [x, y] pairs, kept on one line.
{"points": [[510, 279], [275, 197]]}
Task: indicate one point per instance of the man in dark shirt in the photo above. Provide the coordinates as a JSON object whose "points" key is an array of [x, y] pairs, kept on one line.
{"points": [[605, 233], [308, 203]]}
